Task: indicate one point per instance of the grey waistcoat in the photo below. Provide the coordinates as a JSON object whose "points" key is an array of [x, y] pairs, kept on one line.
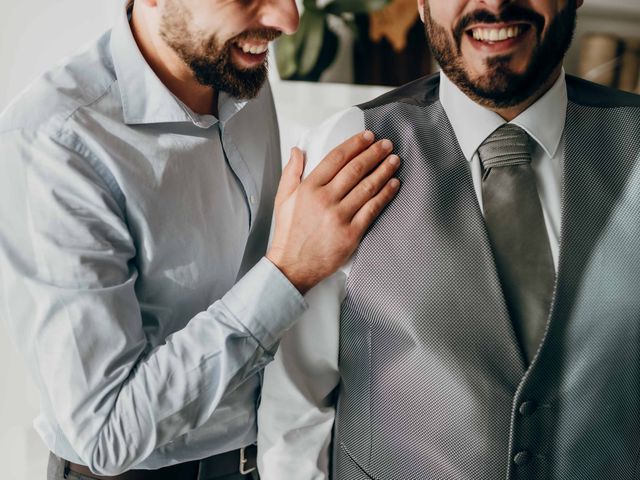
{"points": [[433, 384]]}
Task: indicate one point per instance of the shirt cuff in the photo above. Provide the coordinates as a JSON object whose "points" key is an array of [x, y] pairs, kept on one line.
{"points": [[265, 302]]}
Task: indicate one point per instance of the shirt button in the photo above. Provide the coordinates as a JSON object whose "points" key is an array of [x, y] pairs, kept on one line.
{"points": [[252, 199], [527, 408], [522, 458]]}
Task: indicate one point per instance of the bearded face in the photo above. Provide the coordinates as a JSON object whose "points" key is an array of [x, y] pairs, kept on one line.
{"points": [[237, 66], [501, 59]]}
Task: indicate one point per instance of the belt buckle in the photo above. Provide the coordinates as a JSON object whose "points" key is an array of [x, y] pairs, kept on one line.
{"points": [[243, 461]]}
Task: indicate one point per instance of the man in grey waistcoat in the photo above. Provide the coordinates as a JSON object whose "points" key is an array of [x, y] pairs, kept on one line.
{"points": [[488, 326]]}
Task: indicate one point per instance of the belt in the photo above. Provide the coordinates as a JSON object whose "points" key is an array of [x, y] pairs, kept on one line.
{"points": [[236, 462]]}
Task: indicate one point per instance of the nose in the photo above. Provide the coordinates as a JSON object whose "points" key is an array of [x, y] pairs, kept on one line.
{"points": [[280, 15], [495, 4]]}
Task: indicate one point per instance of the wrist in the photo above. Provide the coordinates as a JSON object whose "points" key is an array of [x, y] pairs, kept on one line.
{"points": [[303, 283]]}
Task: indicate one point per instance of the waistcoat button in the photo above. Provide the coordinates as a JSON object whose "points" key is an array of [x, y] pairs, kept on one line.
{"points": [[527, 408], [522, 458]]}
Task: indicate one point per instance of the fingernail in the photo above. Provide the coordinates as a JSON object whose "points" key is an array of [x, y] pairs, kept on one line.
{"points": [[394, 160], [368, 136], [394, 182], [387, 145]]}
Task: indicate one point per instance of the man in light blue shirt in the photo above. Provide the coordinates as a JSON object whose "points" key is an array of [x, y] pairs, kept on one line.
{"points": [[138, 186]]}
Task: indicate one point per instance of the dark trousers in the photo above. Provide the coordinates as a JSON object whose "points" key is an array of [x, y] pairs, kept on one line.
{"points": [[56, 471]]}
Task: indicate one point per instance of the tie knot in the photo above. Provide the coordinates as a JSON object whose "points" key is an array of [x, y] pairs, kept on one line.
{"points": [[507, 146]]}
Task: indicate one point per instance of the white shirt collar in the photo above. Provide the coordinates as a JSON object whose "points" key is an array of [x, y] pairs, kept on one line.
{"points": [[473, 123]]}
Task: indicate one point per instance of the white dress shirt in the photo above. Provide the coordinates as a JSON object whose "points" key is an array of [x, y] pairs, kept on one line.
{"points": [[296, 414], [131, 275]]}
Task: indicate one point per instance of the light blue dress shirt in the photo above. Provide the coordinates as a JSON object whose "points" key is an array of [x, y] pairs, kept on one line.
{"points": [[132, 275]]}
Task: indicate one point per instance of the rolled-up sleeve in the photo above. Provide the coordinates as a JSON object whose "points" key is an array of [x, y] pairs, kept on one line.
{"points": [[69, 274]]}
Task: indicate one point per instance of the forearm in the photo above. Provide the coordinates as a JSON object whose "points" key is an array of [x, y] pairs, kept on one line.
{"points": [[116, 402], [217, 351]]}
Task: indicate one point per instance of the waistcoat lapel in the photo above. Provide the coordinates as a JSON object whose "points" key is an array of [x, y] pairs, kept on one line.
{"points": [[592, 188], [593, 322]]}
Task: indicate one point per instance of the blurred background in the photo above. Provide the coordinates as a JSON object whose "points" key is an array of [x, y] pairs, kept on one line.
{"points": [[381, 42], [346, 52]]}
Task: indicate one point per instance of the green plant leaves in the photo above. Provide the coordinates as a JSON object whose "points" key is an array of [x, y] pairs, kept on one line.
{"points": [[310, 49], [339, 7], [286, 56], [298, 55]]}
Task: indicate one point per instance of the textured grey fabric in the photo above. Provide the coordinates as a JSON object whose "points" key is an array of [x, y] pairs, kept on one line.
{"points": [[55, 468], [517, 233], [507, 146], [433, 385]]}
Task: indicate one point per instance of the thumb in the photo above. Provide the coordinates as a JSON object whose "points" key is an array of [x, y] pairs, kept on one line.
{"points": [[291, 175]]}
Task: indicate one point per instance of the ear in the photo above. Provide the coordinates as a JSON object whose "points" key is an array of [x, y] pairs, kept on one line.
{"points": [[149, 3], [421, 9]]}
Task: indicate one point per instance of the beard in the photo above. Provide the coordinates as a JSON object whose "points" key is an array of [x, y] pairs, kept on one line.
{"points": [[501, 87], [209, 60]]}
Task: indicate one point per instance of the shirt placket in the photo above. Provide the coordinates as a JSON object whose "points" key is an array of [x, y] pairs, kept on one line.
{"points": [[241, 171]]}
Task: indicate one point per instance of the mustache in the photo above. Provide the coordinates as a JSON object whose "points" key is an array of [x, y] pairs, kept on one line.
{"points": [[511, 13], [264, 34]]}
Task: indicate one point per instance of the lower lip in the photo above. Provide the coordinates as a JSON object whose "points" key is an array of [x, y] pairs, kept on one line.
{"points": [[497, 47], [249, 60]]}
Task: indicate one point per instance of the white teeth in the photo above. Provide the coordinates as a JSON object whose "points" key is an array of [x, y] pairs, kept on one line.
{"points": [[253, 49], [495, 34]]}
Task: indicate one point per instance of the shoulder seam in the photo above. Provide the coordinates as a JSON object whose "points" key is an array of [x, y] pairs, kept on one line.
{"points": [[88, 104], [605, 107], [420, 92], [66, 118], [592, 95], [75, 144]]}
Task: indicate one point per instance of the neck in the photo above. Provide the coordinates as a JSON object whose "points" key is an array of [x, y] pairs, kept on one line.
{"points": [[509, 113], [167, 65]]}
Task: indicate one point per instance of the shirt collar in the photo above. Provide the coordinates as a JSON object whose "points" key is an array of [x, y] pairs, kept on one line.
{"points": [[473, 123], [145, 99]]}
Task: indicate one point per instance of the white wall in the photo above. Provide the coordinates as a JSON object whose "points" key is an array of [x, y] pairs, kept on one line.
{"points": [[36, 34]]}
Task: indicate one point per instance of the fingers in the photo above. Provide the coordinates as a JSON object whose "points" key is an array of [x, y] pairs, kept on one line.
{"points": [[369, 186], [296, 163], [291, 175], [339, 157], [374, 207], [355, 171]]}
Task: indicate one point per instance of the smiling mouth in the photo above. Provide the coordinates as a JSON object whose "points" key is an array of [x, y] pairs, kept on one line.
{"points": [[252, 48], [493, 35]]}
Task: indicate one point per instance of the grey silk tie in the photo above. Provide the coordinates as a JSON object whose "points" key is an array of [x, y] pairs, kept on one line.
{"points": [[517, 232]]}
